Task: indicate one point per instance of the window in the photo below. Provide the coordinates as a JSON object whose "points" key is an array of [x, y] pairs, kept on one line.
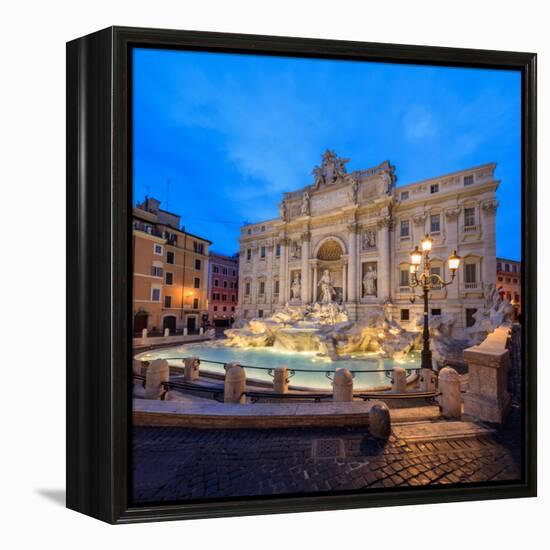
{"points": [[469, 217], [157, 271], [225, 284], [404, 277], [404, 195], [262, 252], [405, 315], [436, 312], [500, 279], [169, 257], [470, 319], [435, 270], [224, 270], [276, 287], [198, 247], [434, 188], [469, 180], [195, 303], [249, 231], [169, 278], [508, 280], [248, 254], [224, 297], [277, 251], [260, 313], [262, 228], [232, 308], [215, 308], [197, 282], [157, 249], [499, 266], [507, 268], [262, 287], [514, 268], [247, 289], [234, 273], [155, 295], [233, 298], [469, 273], [404, 228], [435, 223], [197, 264], [224, 308], [168, 301], [515, 281], [216, 269]]}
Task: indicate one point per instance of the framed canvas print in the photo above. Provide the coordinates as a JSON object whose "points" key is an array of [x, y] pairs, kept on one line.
{"points": [[301, 274]]}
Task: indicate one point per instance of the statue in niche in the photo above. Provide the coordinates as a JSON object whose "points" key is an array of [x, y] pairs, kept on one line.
{"points": [[369, 281], [305, 204], [387, 182], [369, 239], [296, 287], [327, 290]]}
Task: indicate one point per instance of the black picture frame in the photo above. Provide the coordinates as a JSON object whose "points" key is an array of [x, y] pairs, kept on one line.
{"points": [[99, 174]]}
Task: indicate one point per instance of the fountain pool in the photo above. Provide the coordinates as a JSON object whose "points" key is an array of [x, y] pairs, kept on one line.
{"points": [[310, 369]]}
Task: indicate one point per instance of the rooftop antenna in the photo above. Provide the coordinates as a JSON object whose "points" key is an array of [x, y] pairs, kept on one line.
{"points": [[147, 188]]}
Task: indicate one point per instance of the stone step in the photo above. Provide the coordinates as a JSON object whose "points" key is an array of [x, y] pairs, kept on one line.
{"points": [[420, 432]]}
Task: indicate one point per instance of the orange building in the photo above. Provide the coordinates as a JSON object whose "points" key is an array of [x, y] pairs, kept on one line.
{"points": [[509, 281], [170, 272]]}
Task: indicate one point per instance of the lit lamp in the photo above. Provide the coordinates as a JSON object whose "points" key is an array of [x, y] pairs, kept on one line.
{"points": [[427, 281]]}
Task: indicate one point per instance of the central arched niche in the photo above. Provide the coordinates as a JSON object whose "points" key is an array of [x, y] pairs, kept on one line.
{"points": [[330, 251]]}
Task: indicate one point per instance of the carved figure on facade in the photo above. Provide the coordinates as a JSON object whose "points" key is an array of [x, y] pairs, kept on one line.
{"points": [[296, 287], [370, 281], [332, 169], [369, 239], [282, 210], [327, 290], [452, 213], [490, 205], [305, 208], [295, 250], [354, 194]]}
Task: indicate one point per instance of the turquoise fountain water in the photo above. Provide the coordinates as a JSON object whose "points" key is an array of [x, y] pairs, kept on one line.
{"points": [[310, 370]]}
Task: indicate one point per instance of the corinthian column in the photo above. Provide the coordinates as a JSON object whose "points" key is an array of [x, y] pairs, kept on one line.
{"points": [[352, 262], [383, 275], [283, 260], [305, 290]]}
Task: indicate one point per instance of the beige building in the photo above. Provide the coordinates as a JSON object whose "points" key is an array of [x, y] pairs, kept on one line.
{"points": [[509, 281], [361, 228], [170, 272]]}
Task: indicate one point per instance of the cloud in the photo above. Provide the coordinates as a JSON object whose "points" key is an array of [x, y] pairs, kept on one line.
{"points": [[419, 124]]}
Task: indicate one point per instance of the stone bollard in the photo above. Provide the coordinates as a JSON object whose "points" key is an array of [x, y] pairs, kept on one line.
{"points": [[280, 380], [399, 380], [166, 332], [185, 331], [342, 385], [380, 421], [144, 333], [427, 380], [157, 373], [201, 331], [191, 370], [450, 400], [235, 384]]}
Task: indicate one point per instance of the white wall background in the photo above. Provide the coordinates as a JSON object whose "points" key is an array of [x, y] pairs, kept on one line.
{"points": [[32, 226]]}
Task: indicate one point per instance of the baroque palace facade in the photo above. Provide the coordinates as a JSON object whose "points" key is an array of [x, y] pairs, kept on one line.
{"points": [[361, 228]]}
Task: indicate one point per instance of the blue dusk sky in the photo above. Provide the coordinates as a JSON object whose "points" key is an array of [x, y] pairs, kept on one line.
{"points": [[219, 137]]}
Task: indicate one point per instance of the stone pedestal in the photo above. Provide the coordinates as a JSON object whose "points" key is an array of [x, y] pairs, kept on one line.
{"points": [[166, 332], [157, 373], [450, 400], [191, 370], [342, 386], [399, 380], [235, 384], [427, 380], [280, 380], [380, 421], [487, 397], [144, 333]]}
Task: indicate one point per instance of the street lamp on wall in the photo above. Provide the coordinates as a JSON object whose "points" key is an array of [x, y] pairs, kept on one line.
{"points": [[428, 281]]}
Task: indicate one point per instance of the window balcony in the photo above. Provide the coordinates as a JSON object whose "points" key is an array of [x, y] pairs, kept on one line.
{"points": [[471, 228], [472, 286]]}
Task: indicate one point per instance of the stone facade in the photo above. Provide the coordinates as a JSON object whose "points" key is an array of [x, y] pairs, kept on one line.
{"points": [[361, 228], [223, 276]]}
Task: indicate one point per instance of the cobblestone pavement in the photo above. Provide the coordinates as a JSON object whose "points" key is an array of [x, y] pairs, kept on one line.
{"points": [[180, 464]]}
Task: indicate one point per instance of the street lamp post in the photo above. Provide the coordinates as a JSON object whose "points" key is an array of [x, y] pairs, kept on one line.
{"points": [[427, 281]]}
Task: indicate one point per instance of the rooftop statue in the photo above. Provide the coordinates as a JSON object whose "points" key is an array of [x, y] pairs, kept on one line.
{"points": [[332, 169]]}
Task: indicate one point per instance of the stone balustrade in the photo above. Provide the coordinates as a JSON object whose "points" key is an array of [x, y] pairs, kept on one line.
{"points": [[487, 397]]}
